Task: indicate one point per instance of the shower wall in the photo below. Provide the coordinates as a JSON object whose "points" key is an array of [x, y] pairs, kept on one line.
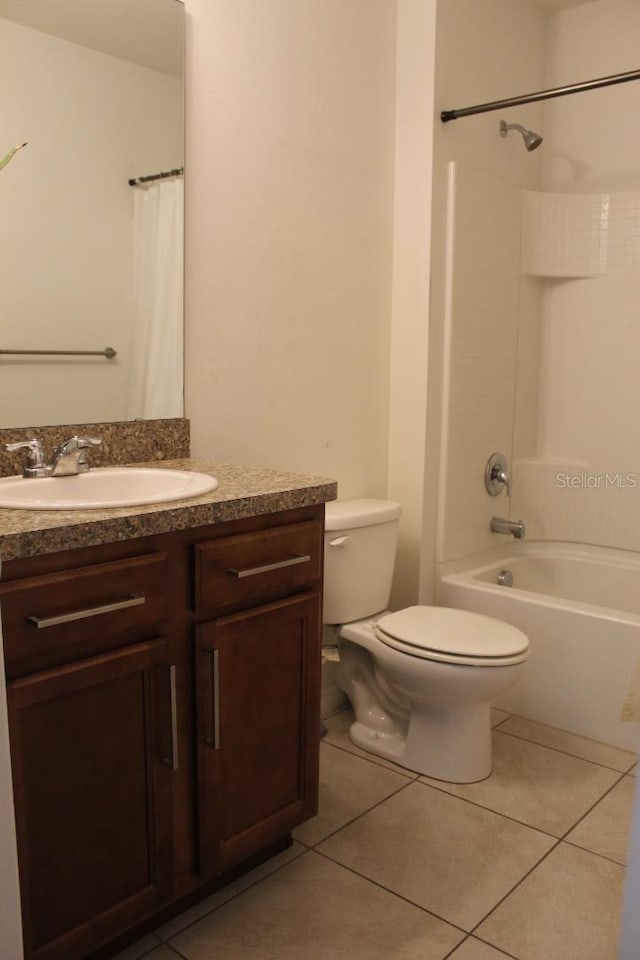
{"points": [[577, 469], [482, 300], [476, 294], [543, 305]]}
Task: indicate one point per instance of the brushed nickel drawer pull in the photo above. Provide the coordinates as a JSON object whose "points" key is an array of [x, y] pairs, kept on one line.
{"points": [[135, 600], [277, 565], [214, 741], [174, 717], [216, 702]]}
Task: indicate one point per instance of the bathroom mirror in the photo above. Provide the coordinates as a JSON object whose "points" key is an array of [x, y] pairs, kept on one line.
{"points": [[88, 261]]}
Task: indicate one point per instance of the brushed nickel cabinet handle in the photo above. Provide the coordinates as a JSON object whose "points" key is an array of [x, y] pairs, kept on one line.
{"points": [[173, 759], [265, 568], [214, 741], [135, 600]]}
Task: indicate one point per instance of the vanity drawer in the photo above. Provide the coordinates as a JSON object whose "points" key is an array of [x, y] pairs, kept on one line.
{"points": [[251, 568], [58, 617]]}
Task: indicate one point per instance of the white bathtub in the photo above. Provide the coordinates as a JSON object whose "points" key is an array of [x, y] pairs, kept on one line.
{"points": [[580, 607]]}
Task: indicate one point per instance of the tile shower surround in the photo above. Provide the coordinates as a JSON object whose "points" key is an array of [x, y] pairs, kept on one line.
{"points": [[568, 265], [528, 864]]}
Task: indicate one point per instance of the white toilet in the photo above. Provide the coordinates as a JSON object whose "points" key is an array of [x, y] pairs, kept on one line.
{"points": [[420, 680]]}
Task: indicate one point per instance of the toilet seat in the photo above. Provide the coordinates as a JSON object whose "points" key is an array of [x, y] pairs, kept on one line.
{"points": [[452, 636]]}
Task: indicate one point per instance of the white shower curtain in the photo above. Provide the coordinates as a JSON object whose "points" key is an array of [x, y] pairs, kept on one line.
{"points": [[156, 379]]}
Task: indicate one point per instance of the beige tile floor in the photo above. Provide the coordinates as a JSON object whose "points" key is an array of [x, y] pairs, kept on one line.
{"points": [[528, 864]]}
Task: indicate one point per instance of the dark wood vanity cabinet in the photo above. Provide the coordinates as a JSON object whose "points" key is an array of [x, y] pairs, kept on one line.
{"points": [[164, 700], [257, 731], [92, 797], [258, 687]]}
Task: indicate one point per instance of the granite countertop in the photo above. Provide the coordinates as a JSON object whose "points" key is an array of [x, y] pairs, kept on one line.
{"points": [[242, 492]]}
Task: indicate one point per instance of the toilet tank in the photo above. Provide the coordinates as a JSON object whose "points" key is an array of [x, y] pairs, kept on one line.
{"points": [[360, 543]]}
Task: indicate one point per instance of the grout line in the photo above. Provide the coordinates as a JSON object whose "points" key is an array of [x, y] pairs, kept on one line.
{"points": [[514, 888], [475, 803], [578, 846], [516, 736], [496, 813], [234, 896], [177, 952], [560, 841], [438, 916], [565, 753], [413, 903], [393, 893], [592, 808], [471, 937], [602, 856], [488, 943], [377, 761], [357, 817], [414, 778], [306, 849]]}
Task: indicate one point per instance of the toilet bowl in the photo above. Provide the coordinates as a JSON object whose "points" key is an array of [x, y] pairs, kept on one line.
{"points": [[420, 680]]}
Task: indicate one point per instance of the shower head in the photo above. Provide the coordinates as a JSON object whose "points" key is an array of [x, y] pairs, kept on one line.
{"points": [[531, 140]]}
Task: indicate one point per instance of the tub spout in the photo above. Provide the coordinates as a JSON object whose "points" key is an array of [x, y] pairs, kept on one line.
{"points": [[517, 528]]}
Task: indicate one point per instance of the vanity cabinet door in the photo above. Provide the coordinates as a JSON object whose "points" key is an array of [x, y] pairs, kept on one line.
{"points": [[92, 757], [258, 727]]}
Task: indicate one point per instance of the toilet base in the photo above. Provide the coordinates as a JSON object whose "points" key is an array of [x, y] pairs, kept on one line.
{"points": [[450, 743], [434, 720]]}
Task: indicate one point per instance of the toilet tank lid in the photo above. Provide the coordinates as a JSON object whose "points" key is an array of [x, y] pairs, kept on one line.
{"points": [[349, 514]]}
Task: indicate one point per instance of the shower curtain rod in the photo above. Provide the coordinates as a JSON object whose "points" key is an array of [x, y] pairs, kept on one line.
{"points": [[108, 352], [156, 176], [447, 115]]}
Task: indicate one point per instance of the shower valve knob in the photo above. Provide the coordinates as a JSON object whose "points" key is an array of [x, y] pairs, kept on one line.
{"points": [[496, 475]]}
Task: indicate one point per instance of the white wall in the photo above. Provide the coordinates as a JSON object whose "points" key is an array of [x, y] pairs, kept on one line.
{"points": [[593, 138], [91, 121], [290, 135], [409, 352]]}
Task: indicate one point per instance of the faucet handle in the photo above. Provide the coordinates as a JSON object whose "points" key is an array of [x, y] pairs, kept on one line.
{"points": [[496, 475], [33, 445], [80, 443], [84, 444], [35, 465]]}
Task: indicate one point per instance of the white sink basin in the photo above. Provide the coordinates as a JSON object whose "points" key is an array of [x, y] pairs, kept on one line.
{"points": [[103, 487]]}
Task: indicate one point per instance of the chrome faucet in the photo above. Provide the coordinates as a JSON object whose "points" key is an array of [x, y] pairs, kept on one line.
{"points": [[35, 465], [68, 460], [517, 528]]}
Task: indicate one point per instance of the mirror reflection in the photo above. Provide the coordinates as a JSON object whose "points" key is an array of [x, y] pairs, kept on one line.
{"points": [[91, 222]]}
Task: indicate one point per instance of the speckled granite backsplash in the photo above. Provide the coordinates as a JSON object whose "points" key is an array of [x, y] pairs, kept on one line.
{"points": [[133, 441]]}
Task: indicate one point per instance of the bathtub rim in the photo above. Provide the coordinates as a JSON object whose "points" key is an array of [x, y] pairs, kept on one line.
{"points": [[464, 571]]}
